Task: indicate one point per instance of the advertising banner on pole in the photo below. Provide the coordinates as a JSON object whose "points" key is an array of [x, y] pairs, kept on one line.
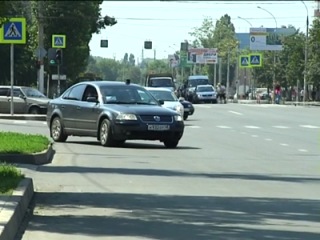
{"points": [[203, 55], [268, 39]]}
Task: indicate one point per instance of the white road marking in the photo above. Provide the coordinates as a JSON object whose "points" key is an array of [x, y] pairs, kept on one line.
{"points": [[253, 127], [193, 126], [223, 127], [237, 113], [45, 123], [268, 139], [254, 136], [309, 126], [19, 122], [281, 127], [302, 150], [284, 144]]}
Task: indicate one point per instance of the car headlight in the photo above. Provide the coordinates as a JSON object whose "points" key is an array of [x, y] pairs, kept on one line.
{"points": [[179, 108], [178, 118], [199, 95], [126, 116]]}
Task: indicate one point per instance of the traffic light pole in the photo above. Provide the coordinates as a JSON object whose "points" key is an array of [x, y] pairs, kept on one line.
{"points": [[58, 70], [40, 48]]}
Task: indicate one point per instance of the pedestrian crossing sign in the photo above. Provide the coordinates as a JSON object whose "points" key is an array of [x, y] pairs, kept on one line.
{"points": [[13, 31], [58, 41], [244, 61], [256, 60]]}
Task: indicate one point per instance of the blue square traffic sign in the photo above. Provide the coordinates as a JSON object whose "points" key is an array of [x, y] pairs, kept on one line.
{"points": [[244, 61], [255, 60], [58, 41], [12, 31]]}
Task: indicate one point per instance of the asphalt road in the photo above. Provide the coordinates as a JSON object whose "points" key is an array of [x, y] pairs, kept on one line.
{"points": [[240, 172]]}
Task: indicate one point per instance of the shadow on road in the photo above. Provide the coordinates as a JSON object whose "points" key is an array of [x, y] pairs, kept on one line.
{"points": [[176, 217], [172, 173]]}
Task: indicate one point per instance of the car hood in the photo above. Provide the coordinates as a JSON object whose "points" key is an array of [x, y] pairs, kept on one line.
{"points": [[141, 109], [206, 93], [185, 103], [38, 100], [170, 104]]}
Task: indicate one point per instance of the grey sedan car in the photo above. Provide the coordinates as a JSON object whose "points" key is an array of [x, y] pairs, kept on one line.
{"points": [[25, 100], [113, 112]]}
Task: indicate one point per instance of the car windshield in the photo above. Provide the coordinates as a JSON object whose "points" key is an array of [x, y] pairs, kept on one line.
{"points": [[33, 93], [126, 95], [161, 82], [205, 89], [196, 82], [164, 95]]}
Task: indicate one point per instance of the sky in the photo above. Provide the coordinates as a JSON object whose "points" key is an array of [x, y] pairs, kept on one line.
{"points": [[168, 23]]}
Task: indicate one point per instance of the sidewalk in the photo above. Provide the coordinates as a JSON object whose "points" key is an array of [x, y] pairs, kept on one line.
{"points": [[267, 102]]}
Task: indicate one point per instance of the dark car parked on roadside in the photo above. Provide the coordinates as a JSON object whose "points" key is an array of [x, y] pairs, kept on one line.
{"points": [[26, 100], [113, 112]]}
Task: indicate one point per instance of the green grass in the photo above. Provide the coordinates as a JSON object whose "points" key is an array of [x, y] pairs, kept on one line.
{"points": [[19, 143], [10, 177]]}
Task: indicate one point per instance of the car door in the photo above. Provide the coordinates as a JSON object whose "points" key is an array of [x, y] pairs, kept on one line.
{"points": [[4, 103], [88, 111], [19, 101], [69, 105]]}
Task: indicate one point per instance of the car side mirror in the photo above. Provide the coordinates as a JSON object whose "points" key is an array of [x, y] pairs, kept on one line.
{"points": [[92, 99], [22, 96], [181, 99], [161, 102]]}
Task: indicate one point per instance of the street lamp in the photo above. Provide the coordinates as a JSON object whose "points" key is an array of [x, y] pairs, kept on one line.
{"points": [[274, 54], [245, 20], [305, 56]]}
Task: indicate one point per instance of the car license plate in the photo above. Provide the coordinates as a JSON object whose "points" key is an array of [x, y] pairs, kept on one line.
{"points": [[158, 127]]}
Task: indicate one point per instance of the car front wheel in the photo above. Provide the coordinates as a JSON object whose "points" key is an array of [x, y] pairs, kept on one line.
{"points": [[171, 143], [106, 138], [185, 116], [57, 131]]}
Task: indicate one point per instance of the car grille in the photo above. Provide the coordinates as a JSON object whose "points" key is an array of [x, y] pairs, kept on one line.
{"points": [[207, 95], [152, 118]]}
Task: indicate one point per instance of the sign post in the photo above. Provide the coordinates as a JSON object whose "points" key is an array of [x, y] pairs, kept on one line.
{"points": [[59, 41], [13, 32]]}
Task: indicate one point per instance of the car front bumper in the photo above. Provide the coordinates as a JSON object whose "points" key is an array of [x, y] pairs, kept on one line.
{"points": [[139, 131]]}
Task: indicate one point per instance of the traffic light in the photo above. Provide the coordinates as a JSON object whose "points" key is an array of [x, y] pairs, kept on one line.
{"points": [[147, 45], [52, 56], [59, 56], [184, 46]]}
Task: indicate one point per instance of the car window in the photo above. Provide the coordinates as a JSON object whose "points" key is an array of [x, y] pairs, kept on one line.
{"points": [[4, 92], [16, 92], [76, 93], [205, 89], [163, 95], [126, 95], [34, 93], [89, 92]]}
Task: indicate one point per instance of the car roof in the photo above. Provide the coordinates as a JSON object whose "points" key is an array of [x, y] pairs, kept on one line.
{"points": [[205, 85], [197, 77], [108, 83], [158, 89]]}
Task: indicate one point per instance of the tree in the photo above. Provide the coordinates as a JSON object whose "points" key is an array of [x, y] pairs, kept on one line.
{"points": [[132, 61], [126, 58], [314, 54]]}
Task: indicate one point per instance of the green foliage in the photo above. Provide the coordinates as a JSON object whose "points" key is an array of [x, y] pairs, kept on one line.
{"points": [[314, 53], [58, 17], [10, 177], [14, 143]]}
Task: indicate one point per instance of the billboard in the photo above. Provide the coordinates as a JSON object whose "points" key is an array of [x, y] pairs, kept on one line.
{"points": [[173, 61], [203, 55], [268, 38]]}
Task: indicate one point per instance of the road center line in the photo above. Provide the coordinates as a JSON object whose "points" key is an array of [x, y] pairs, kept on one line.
{"points": [[19, 122], [237, 113], [284, 144], [302, 150]]}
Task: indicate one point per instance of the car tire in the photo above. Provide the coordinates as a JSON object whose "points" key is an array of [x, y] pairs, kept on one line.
{"points": [[57, 132], [105, 133], [185, 116], [34, 110], [171, 143]]}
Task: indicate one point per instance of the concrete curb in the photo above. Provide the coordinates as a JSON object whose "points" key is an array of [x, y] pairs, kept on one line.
{"points": [[23, 117], [36, 158], [15, 208]]}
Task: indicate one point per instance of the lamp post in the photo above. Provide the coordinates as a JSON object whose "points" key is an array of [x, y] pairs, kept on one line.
{"points": [[305, 56], [245, 70], [274, 54]]}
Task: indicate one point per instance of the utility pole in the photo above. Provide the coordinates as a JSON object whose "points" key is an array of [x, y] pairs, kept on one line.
{"points": [[215, 75], [228, 73], [41, 49], [220, 69]]}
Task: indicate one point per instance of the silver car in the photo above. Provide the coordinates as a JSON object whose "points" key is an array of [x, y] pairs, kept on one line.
{"points": [[25, 99], [170, 99], [204, 93]]}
